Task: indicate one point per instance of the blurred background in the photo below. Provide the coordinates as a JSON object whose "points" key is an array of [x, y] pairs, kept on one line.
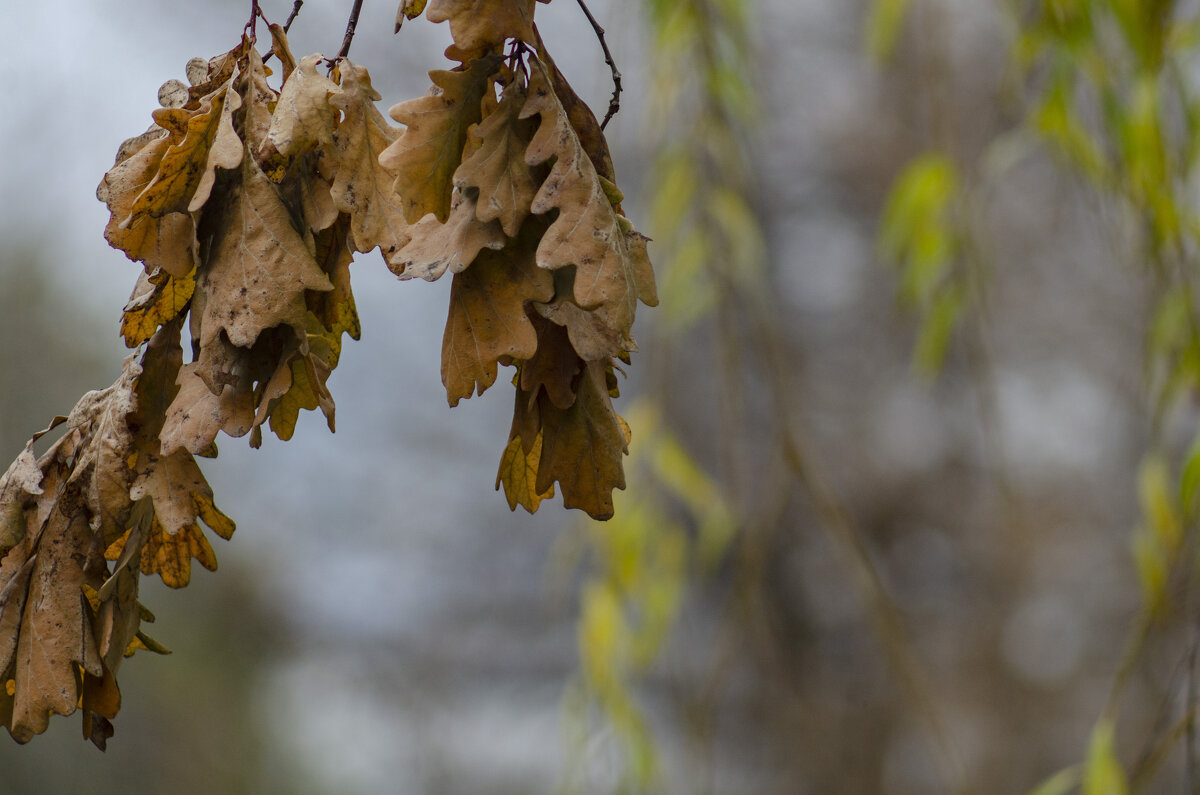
{"points": [[381, 623]]}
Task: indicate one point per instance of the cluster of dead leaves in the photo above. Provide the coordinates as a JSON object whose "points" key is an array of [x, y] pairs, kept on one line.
{"points": [[245, 206], [505, 174]]}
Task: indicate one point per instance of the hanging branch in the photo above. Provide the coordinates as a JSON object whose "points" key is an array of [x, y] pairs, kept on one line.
{"points": [[614, 104], [287, 26], [351, 24]]}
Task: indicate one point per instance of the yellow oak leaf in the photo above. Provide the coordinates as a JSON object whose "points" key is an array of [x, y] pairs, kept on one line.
{"points": [[426, 155], [157, 299], [169, 555], [187, 171], [167, 242], [282, 50], [487, 322], [409, 9], [497, 169], [518, 472], [581, 445]]}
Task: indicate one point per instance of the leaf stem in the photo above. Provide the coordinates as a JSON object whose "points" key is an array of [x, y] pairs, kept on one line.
{"points": [[614, 104], [351, 24]]}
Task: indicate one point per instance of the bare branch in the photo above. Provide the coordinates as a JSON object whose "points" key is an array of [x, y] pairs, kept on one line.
{"points": [[252, 25], [292, 16], [351, 24], [614, 104]]}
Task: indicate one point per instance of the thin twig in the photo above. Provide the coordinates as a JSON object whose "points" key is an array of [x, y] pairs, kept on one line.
{"points": [[351, 24], [252, 25], [614, 104], [292, 16]]}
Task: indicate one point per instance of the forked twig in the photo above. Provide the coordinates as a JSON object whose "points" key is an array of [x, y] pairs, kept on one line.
{"points": [[292, 16], [614, 104], [351, 24], [252, 25]]}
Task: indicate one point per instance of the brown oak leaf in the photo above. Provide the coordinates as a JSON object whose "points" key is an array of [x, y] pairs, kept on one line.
{"points": [[426, 155], [437, 247], [582, 446], [612, 271], [487, 322], [497, 169], [553, 370], [361, 187], [55, 636], [259, 267], [482, 24], [304, 116]]}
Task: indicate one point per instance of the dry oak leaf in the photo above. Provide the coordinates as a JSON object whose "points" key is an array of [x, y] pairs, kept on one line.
{"points": [[279, 46], [409, 9], [187, 171], [487, 322], [100, 464], [554, 368], [55, 637], [197, 414], [590, 335], [157, 299], [425, 157], [180, 495], [482, 24], [497, 169], [335, 309], [612, 270], [437, 247], [584, 123], [582, 446], [361, 186], [303, 118], [169, 491], [259, 267], [170, 554], [298, 380], [22, 480], [258, 99], [305, 187], [168, 242]]}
